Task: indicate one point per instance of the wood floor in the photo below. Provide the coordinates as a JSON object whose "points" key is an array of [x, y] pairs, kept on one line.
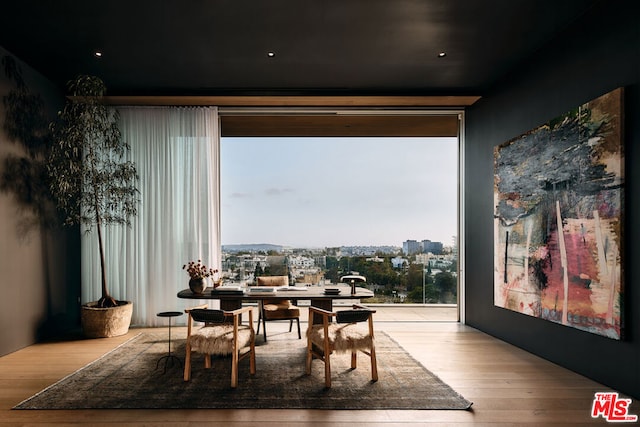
{"points": [[507, 385]]}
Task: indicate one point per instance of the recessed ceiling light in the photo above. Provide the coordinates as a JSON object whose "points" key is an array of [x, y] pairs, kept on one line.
{"points": [[271, 54], [97, 54], [442, 54]]}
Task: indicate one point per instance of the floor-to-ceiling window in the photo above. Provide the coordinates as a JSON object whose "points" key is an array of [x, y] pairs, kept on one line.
{"points": [[384, 207]]}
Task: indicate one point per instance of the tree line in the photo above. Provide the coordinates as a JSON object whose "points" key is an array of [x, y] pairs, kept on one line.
{"points": [[390, 283]]}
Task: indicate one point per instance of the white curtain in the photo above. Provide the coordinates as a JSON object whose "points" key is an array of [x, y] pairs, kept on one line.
{"points": [[176, 151]]}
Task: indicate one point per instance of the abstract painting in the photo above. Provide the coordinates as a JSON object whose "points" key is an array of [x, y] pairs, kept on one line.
{"points": [[558, 219]]}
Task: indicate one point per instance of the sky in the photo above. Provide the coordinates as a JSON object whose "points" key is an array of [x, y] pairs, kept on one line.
{"points": [[329, 192]]}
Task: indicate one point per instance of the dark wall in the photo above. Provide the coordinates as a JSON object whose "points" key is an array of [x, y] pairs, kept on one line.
{"points": [[597, 54], [39, 266]]}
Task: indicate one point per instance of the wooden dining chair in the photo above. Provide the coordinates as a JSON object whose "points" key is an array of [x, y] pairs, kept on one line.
{"points": [[222, 334], [343, 336], [277, 308]]}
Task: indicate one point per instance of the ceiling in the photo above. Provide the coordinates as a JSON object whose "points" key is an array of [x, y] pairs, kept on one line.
{"points": [[322, 47]]}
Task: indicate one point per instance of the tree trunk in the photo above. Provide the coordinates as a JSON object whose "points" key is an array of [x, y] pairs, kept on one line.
{"points": [[106, 300]]}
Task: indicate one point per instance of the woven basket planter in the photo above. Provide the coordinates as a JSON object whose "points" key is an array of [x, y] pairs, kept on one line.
{"points": [[106, 322]]}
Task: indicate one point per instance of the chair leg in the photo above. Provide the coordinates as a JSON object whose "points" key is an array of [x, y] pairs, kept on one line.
{"points": [[187, 363], [327, 364], [327, 371], [234, 368], [207, 361], [354, 359], [252, 358], [374, 364], [297, 319], [309, 358]]}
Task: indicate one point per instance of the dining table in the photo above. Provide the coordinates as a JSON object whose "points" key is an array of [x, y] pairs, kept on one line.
{"points": [[232, 297]]}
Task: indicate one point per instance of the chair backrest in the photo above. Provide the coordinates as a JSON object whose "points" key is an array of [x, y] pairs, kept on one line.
{"points": [[207, 315], [273, 281], [353, 316]]}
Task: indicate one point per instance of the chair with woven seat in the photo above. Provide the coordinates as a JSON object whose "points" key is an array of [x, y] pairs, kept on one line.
{"points": [[277, 308], [346, 335], [222, 334]]}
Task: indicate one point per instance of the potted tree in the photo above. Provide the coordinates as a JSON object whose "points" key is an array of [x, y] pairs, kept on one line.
{"points": [[94, 185]]}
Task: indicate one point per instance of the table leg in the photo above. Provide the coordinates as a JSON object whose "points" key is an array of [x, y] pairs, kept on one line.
{"points": [[169, 358], [324, 304], [230, 304]]}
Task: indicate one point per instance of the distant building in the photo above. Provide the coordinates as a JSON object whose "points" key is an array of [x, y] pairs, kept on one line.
{"points": [[367, 250], [399, 262], [320, 261], [299, 261], [433, 247], [313, 278], [411, 247]]}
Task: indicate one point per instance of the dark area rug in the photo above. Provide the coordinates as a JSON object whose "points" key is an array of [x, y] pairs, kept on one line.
{"points": [[127, 378]]}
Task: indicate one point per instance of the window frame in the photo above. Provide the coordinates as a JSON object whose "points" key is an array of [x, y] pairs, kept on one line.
{"points": [[329, 122]]}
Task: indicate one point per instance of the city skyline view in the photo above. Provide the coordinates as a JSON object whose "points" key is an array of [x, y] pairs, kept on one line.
{"points": [[331, 192]]}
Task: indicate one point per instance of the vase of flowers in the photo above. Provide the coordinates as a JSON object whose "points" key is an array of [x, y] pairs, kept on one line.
{"points": [[198, 274]]}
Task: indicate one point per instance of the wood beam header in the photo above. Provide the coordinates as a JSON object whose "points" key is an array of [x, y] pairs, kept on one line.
{"points": [[297, 101]]}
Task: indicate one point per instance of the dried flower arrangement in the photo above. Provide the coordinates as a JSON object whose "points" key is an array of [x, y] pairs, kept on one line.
{"points": [[197, 270]]}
